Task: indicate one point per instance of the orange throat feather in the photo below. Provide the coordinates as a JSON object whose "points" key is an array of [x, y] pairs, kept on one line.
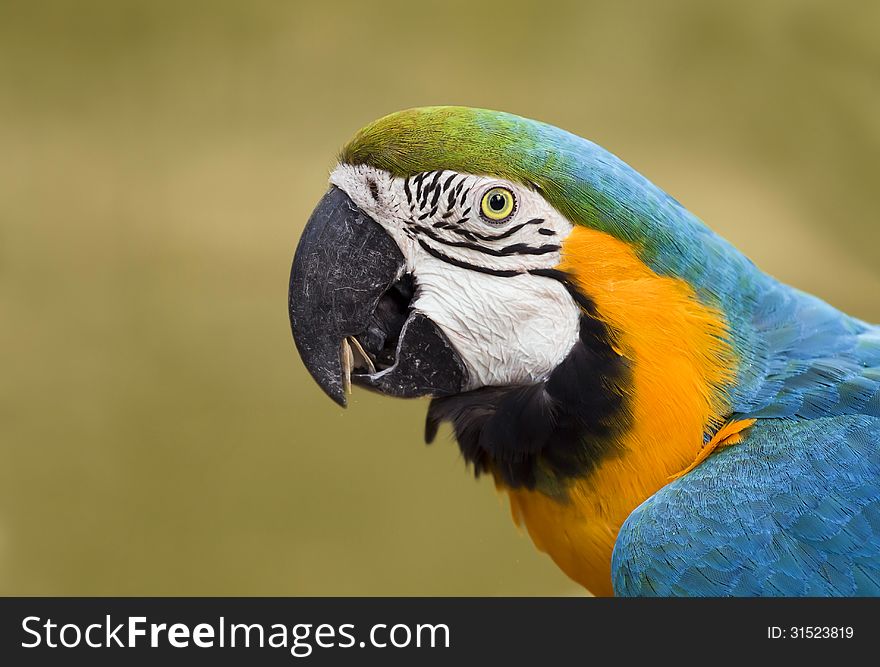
{"points": [[680, 362]]}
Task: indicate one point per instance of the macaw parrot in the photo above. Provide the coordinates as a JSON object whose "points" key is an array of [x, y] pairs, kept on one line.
{"points": [[665, 418]]}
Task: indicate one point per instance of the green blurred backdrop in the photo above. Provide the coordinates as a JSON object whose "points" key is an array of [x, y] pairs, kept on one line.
{"points": [[158, 434]]}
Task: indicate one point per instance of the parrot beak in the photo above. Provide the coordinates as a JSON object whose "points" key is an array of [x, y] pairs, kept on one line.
{"points": [[350, 314]]}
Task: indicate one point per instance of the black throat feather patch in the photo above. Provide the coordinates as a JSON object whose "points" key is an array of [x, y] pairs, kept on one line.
{"points": [[545, 435]]}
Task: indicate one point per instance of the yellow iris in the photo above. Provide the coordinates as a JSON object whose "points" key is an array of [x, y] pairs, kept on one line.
{"points": [[497, 204]]}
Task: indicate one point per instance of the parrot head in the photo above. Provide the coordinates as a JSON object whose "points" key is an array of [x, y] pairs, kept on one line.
{"points": [[514, 273], [589, 340]]}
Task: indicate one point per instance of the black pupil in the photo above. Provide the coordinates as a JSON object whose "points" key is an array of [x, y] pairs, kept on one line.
{"points": [[497, 202]]}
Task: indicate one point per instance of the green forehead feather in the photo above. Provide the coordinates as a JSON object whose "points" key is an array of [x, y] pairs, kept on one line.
{"points": [[457, 138]]}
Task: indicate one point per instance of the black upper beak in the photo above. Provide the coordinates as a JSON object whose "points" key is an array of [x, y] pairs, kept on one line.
{"points": [[349, 305]]}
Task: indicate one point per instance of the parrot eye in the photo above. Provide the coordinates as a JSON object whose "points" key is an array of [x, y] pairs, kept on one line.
{"points": [[497, 205]]}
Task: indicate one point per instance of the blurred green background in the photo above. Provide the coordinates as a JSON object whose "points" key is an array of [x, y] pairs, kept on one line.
{"points": [[158, 433]]}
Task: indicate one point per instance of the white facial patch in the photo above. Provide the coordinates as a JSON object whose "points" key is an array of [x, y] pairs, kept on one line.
{"points": [[472, 273]]}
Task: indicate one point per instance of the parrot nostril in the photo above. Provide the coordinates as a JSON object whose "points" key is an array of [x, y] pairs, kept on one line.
{"points": [[380, 339]]}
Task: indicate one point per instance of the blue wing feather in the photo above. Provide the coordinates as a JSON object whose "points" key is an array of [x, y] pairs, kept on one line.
{"points": [[794, 509]]}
